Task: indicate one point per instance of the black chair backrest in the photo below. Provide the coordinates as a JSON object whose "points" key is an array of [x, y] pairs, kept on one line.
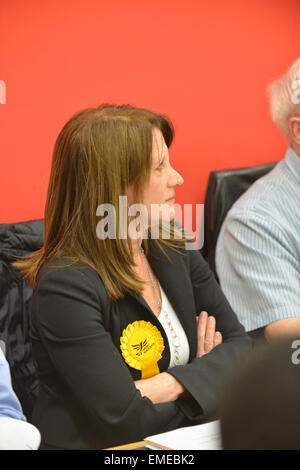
{"points": [[15, 304], [223, 189]]}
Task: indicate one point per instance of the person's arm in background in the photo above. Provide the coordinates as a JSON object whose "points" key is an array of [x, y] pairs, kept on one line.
{"points": [[258, 268], [9, 404], [289, 327]]}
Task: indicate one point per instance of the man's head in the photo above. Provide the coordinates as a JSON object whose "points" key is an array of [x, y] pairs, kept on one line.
{"points": [[284, 94]]}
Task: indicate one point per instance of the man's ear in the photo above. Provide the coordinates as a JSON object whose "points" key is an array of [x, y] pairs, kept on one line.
{"points": [[294, 129]]}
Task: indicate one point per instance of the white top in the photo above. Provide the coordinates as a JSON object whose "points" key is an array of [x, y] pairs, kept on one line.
{"points": [[179, 346]]}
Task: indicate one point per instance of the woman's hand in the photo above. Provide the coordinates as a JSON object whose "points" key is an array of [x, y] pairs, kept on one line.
{"points": [[208, 338], [160, 388], [163, 387]]}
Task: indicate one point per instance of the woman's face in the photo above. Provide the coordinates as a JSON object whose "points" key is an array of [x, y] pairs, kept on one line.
{"points": [[159, 195]]}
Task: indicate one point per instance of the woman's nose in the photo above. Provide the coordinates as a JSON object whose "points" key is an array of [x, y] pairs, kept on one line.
{"points": [[176, 179]]}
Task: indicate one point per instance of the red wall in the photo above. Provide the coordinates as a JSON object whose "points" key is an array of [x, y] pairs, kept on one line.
{"points": [[206, 63]]}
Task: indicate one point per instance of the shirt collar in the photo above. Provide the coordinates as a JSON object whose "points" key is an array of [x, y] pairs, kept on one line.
{"points": [[293, 162]]}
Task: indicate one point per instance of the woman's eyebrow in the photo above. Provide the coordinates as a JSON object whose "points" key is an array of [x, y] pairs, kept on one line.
{"points": [[159, 160]]}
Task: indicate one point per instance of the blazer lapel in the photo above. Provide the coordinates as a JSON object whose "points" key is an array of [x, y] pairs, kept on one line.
{"points": [[177, 285], [148, 315]]}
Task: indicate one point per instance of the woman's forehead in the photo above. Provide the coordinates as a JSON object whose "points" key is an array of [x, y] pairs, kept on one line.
{"points": [[159, 147]]}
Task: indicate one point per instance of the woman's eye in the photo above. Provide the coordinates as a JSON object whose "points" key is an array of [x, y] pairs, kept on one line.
{"points": [[160, 167]]}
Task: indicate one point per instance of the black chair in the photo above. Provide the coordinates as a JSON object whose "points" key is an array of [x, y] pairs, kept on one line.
{"points": [[223, 189], [15, 305]]}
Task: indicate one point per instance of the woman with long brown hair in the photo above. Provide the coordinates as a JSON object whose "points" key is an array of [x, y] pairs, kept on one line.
{"points": [[131, 333]]}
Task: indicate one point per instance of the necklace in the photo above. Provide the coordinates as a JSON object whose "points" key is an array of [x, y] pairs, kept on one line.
{"points": [[175, 340], [151, 279]]}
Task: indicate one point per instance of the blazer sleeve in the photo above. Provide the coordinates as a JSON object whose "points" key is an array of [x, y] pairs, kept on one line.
{"points": [[204, 377], [68, 318]]}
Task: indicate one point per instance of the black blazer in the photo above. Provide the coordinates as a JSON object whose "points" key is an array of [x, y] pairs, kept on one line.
{"points": [[87, 397]]}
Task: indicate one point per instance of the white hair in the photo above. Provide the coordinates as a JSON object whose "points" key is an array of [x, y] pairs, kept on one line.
{"points": [[284, 96]]}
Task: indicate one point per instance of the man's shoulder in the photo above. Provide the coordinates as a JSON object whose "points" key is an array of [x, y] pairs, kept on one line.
{"points": [[261, 199]]}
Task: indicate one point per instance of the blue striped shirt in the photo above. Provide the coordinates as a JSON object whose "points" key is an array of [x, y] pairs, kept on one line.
{"points": [[9, 403], [258, 249]]}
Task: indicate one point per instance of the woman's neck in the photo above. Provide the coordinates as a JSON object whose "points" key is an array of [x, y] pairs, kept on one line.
{"points": [[136, 247]]}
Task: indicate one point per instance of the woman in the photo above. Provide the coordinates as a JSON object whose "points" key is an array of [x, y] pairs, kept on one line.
{"points": [[114, 330]]}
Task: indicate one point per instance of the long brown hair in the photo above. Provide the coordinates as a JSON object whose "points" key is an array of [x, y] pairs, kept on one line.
{"points": [[97, 155]]}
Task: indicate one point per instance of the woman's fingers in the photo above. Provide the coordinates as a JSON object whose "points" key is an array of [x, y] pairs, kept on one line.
{"points": [[218, 339], [201, 332], [208, 338], [210, 334]]}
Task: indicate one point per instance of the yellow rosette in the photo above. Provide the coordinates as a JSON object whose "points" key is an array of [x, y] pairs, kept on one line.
{"points": [[142, 345]]}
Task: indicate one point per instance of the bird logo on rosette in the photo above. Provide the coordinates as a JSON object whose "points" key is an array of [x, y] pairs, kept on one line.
{"points": [[142, 345]]}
